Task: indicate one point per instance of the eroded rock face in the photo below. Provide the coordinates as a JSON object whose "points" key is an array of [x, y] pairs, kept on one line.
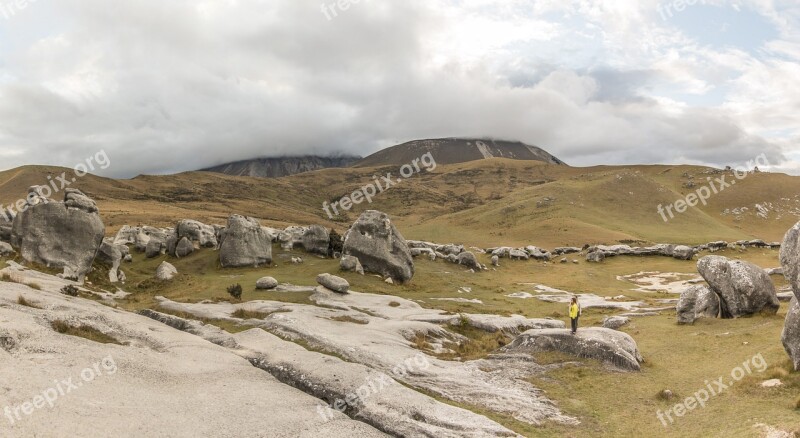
{"points": [[184, 248], [743, 288], [198, 232], [610, 346], [791, 333], [63, 235], [380, 248], [314, 239], [111, 255], [697, 302], [245, 244]]}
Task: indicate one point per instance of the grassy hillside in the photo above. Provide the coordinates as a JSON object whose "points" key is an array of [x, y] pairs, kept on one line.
{"points": [[487, 202]]}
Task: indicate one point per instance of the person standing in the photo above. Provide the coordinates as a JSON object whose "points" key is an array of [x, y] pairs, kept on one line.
{"points": [[574, 314]]}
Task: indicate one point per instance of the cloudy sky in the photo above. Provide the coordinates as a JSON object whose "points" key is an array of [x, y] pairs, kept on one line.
{"points": [[166, 86]]}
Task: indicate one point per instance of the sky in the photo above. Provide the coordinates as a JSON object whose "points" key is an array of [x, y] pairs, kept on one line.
{"points": [[169, 86]]}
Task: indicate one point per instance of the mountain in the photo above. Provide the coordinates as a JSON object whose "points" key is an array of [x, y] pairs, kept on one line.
{"points": [[283, 166], [457, 150]]}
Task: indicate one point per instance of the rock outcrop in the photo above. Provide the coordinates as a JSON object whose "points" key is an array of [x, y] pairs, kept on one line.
{"points": [[469, 260], [112, 255], [245, 244], [197, 232], [743, 288], [65, 235], [380, 248], [349, 263], [610, 346], [616, 322], [183, 248], [697, 302]]}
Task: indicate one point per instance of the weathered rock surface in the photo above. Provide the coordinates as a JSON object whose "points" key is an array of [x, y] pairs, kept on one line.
{"points": [[64, 235], [697, 302], [316, 240], [266, 283], [469, 260], [166, 271], [790, 258], [791, 333], [380, 248], [245, 244], [111, 255], [154, 248], [610, 346], [198, 232], [134, 375], [334, 283], [743, 288], [349, 263]]}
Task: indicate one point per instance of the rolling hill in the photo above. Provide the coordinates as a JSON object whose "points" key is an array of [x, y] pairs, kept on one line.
{"points": [[486, 202]]}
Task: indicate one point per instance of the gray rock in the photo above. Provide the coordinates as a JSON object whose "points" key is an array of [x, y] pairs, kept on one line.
{"points": [[204, 235], [790, 258], [60, 236], [266, 283], [380, 248], [616, 322], [111, 256], [171, 245], [74, 198], [154, 248], [469, 260], [566, 250], [166, 271], [184, 248], [697, 302], [334, 283], [596, 256], [349, 263], [5, 249], [316, 240], [606, 345], [495, 261], [743, 288], [518, 254], [245, 244], [791, 333], [682, 252]]}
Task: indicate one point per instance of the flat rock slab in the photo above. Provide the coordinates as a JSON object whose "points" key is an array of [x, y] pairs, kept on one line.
{"points": [[606, 345]]}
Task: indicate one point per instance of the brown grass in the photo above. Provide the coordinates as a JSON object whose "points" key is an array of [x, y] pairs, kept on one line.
{"points": [[346, 318], [251, 314], [83, 331], [24, 302]]}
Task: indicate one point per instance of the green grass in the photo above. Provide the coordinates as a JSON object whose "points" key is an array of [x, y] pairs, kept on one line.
{"points": [[678, 358]]}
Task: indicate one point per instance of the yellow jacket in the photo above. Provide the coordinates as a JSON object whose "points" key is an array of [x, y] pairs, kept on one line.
{"points": [[574, 311]]}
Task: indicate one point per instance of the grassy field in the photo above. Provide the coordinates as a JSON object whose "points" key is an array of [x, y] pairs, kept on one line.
{"points": [[678, 358]]}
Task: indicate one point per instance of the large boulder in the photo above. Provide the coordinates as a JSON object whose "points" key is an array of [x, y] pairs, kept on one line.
{"points": [[197, 232], [245, 244], [266, 283], [65, 235], [183, 248], [743, 288], [791, 333], [154, 248], [606, 345], [380, 248], [682, 252], [790, 258], [697, 302]]}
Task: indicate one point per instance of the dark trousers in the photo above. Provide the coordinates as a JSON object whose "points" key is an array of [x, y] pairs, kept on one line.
{"points": [[574, 324]]}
